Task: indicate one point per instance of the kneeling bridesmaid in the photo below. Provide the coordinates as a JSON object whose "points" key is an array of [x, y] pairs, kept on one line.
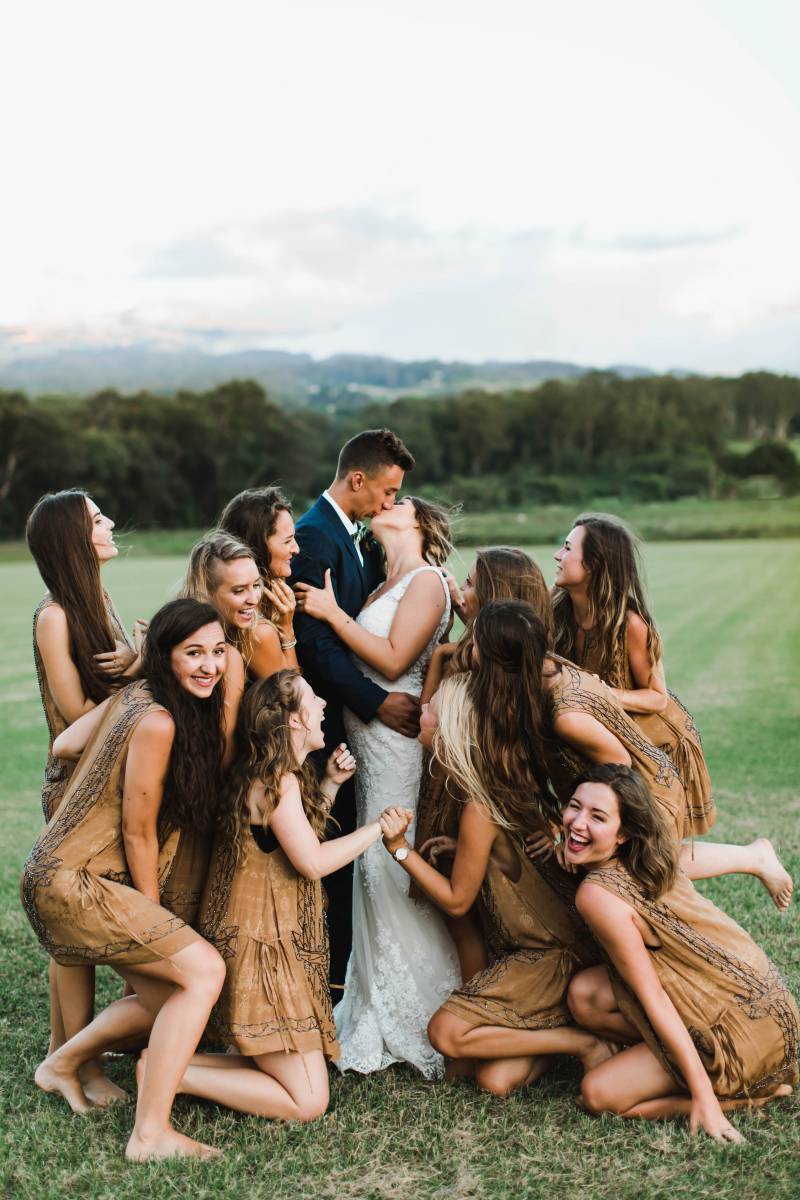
{"points": [[263, 910], [712, 1023]]}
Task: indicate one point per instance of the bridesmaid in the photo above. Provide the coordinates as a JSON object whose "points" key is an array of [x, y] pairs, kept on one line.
{"points": [[223, 571], [82, 652], [263, 910], [150, 768], [503, 1023], [709, 1022], [603, 624], [261, 518]]}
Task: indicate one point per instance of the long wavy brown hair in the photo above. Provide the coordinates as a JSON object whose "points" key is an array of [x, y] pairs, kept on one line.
{"points": [[59, 536], [505, 573], [193, 784], [493, 749], [264, 751], [651, 852], [615, 589], [251, 517], [204, 575]]}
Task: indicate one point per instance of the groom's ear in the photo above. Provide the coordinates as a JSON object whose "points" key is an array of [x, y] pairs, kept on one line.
{"points": [[356, 480]]}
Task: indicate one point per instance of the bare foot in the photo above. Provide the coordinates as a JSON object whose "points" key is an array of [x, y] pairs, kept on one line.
{"points": [[772, 873], [166, 1144], [50, 1076], [600, 1051], [99, 1090]]}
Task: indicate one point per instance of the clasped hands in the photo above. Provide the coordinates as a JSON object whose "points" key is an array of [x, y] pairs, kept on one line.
{"points": [[394, 823]]}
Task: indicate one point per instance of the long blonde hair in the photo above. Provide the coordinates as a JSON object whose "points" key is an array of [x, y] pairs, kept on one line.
{"points": [[615, 589], [203, 578], [264, 752]]}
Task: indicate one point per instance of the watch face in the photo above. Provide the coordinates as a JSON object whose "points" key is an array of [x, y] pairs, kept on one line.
{"points": [[401, 854]]}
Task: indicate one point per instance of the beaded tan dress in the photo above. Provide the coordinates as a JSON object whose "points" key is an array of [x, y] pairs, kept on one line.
{"points": [[268, 923], [576, 691], [731, 998], [76, 889], [673, 731], [57, 771], [536, 942]]}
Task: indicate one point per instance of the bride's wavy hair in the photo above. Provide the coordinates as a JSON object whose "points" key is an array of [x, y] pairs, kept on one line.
{"points": [[435, 526], [504, 573], [264, 752], [193, 782], [650, 852], [489, 738], [615, 588]]}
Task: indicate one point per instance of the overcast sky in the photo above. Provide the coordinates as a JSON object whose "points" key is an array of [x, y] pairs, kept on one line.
{"points": [[600, 182]]}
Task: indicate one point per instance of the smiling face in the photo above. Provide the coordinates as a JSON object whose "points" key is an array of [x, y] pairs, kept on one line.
{"points": [[281, 546], [306, 725], [571, 571], [375, 493], [102, 533], [238, 591], [198, 663], [429, 721], [591, 823]]}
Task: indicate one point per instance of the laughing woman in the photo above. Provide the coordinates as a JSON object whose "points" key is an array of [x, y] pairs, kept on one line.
{"points": [[92, 887], [709, 1021], [223, 571], [263, 910]]}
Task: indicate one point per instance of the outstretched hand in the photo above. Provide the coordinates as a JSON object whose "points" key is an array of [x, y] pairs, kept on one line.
{"points": [[341, 765], [394, 822], [317, 602]]}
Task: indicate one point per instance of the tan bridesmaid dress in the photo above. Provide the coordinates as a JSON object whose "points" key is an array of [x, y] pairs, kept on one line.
{"points": [[57, 772], [76, 888], [673, 731], [731, 998], [268, 923], [536, 942], [574, 690]]}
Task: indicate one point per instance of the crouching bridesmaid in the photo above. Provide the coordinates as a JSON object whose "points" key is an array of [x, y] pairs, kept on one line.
{"points": [[711, 1023], [93, 885], [263, 910]]}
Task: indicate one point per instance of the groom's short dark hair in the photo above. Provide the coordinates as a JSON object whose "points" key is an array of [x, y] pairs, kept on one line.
{"points": [[372, 451]]}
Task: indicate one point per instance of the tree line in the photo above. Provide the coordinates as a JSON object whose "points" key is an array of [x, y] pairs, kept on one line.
{"points": [[172, 461]]}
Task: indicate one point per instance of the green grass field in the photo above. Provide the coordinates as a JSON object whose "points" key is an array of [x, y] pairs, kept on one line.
{"points": [[728, 611]]}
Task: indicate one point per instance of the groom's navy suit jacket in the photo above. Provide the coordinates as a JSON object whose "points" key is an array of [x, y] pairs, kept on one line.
{"points": [[325, 661]]}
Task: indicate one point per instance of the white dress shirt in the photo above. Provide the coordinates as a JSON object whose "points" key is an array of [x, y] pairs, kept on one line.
{"points": [[350, 526]]}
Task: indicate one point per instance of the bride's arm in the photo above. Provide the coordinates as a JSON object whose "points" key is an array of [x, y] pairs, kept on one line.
{"points": [[476, 835], [417, 616]]}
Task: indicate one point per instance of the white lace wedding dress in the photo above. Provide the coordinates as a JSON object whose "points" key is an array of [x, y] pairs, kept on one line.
{"points": [[403, 964]]}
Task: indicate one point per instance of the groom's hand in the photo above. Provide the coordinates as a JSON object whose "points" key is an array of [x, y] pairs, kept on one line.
{"points": [[400, 712]]}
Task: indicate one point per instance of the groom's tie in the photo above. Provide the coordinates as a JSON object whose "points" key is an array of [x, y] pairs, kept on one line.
{"points": [[359, 533]]}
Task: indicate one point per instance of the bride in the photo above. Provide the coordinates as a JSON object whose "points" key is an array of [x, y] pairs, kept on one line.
{"points": [[403, 964]]}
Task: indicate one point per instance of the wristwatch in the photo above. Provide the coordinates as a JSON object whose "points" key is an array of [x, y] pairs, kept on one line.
{"points": [[401, 853]]}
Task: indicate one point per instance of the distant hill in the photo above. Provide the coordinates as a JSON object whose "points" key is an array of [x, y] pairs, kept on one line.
{"points": [[343, 380]]}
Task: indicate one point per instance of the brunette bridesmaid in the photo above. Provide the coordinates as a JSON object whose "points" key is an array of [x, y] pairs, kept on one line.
{"points": [[150, 767], [263, 910], [709, 1023]]}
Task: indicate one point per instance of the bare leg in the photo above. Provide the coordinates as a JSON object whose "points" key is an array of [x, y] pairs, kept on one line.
{"points": [[706, 860], [76, 987], [56, 1024], [469, 944], [680, 1106], [287, 1087], [456, 1038], [501, 1076], [593, 1005]]}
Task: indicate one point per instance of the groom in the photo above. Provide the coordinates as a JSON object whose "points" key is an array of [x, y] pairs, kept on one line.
{"points": [[331, 534]]}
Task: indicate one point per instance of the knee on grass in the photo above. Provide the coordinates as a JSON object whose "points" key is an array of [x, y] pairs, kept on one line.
{"points": [[597, 1097], [493, 1077], [312, 1106], [443, 1036]]}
